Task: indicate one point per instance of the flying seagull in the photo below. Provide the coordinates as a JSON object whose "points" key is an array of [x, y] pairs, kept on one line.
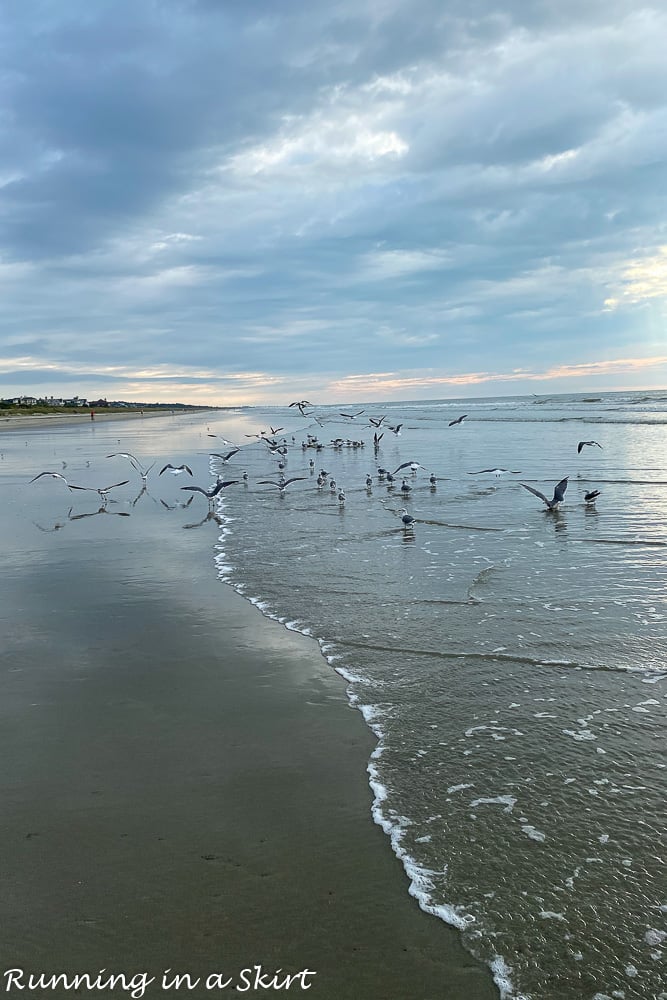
{"points": [[396, 429], [559, 493], [281, 485], [351, 416], [54, 475], [591, 496], [459, 420], [220, 485], [176, 470], [376, 421], [408, 465], [582, 444], [224, 458], [103, 491], [496, 472], [301, 404], [134, 462], [220, 438]]}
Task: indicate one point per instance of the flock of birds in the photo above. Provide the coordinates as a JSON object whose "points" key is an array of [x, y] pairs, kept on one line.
{"points": [[278, 449]]}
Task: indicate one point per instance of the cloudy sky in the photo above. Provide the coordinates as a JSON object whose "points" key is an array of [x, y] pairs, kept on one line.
{"points": [[237, 201]]}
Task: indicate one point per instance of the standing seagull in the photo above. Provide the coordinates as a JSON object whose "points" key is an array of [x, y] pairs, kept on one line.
{"points": [[582, 444], [559, 493], [407, 519], [459, 420]]}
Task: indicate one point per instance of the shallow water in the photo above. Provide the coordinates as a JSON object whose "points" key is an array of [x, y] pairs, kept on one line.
{"points": [[511, 661]]}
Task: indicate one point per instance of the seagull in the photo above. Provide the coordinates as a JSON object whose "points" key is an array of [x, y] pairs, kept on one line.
{"points": [[559, 493], [459, 420], [341, 497], [275, 430], [396, 429], [283, 484], [220, 485], [405, 487], [496, 472], [54, 475], [177, 506], [103, 491], [176, 470], [134, 462], [301, 404], [591, 496], [433, 479], [376, 440], [408, 465], [351, 416], [220, 438], [224, 458], [583, 443], [369, 482], [407, 519], [376, 421]]}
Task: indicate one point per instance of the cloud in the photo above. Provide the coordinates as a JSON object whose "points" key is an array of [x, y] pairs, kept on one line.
{"points": [[197, 189], [642, 279]]}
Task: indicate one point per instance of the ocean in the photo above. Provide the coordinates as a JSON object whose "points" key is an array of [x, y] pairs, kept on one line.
{"points": [[511, 660]]}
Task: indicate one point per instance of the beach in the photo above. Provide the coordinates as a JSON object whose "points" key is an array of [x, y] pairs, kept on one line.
{"points": [[184, 781]]}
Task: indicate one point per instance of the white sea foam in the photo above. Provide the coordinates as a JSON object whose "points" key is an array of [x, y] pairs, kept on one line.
{"points": [[509, 801], [533, 833]]}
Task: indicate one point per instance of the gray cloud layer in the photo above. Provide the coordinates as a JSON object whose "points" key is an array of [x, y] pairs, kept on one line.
{"points": [[195, 190]]}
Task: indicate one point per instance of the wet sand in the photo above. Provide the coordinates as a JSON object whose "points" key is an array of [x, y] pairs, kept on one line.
{"points": [[183, 781], [46, 421]]}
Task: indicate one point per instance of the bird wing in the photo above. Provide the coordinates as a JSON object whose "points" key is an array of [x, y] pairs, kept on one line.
{"points": [[113, 486], [267, 482], [230, 453], [580, 446], [125, 454], [559, 490], [197, 489], [165, 467], [54, 475], [294, 479], [90, 488], [535, 492], [405, 465]]}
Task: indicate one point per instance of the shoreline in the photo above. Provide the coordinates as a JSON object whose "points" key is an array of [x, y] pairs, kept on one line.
{"points": [[184, 780], [22, 421]]}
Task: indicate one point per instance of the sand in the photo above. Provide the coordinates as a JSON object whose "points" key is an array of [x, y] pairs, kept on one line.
{"points": [[183, 781]]}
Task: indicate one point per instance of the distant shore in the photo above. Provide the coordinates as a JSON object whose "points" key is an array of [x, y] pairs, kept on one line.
{"points": [[17, 421]]}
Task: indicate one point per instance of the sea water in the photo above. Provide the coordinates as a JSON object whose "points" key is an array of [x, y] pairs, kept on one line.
{"points": [[511, 660]]}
